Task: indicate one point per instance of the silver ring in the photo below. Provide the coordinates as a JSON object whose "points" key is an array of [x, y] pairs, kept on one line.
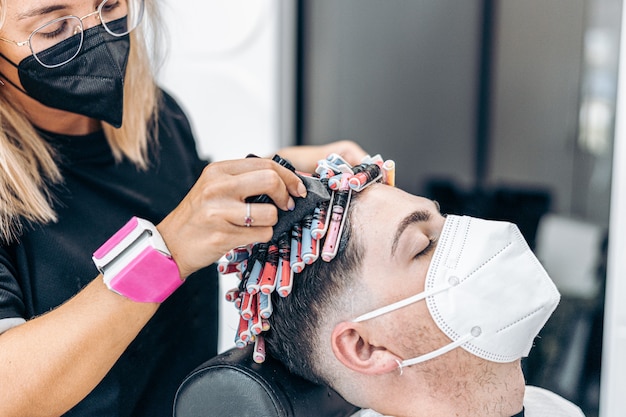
{"points": [[248, 220]]}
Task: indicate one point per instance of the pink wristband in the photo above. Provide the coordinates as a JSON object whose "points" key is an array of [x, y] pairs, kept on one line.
{"points": [[136, 264]]}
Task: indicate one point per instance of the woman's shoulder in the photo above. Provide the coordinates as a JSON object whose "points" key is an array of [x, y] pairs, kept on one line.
{"points": [[170, 108], [173, 121], [175, 132]]}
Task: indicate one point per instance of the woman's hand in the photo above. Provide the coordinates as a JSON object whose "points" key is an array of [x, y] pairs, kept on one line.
{"points": [[211, 219], [305, 158]]}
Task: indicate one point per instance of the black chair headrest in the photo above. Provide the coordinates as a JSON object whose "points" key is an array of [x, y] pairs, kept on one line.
{"points": [[232, 384]]}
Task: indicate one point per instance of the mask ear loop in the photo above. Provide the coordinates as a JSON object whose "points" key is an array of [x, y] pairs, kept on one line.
{"points": [[400, 367], [402, 303]]}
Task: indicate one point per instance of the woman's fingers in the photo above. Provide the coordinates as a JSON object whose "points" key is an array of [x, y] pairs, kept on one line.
{"points": [[253, 215], [270, 184], [215, 217], [255, 176]]}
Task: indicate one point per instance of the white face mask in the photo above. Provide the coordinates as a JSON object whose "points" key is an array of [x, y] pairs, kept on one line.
{"points": [[485, 289]]}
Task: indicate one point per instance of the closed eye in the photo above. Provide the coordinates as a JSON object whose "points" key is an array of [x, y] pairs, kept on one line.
{"points": [[432, 243]]}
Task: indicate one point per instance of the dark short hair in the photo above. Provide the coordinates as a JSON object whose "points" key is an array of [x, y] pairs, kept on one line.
{"points": [[294, 324]]}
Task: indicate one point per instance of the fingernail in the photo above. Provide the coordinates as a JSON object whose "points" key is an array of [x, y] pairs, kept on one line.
{"points": [[291, 205], [302, 190]]}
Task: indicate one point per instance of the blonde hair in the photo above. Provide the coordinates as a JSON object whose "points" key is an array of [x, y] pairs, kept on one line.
{"points": [[27, 163]]}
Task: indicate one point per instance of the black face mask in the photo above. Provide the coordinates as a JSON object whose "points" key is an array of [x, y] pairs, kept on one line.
{"points": [[92, 84]]}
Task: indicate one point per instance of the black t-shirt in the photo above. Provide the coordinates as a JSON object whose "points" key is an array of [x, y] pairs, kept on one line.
{"points": [[51, 263]]}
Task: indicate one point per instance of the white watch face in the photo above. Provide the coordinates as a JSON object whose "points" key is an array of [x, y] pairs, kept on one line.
{"points": [[126, 244]]}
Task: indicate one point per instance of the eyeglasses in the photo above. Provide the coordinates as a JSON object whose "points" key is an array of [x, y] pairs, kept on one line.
{"points": [[119, 17]]}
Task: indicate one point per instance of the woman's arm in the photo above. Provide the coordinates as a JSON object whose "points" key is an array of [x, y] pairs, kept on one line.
{"points": [[50, 363], [305, 158]]}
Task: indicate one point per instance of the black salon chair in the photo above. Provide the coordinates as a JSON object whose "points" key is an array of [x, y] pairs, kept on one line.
{"points": [[232, 384]]}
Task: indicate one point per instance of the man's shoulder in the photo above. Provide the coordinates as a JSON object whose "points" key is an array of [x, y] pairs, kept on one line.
{"points": [[539, 402], [366, 413]]}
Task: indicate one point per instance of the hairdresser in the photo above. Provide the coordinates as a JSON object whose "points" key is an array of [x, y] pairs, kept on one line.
{"points": [[102, 313]]}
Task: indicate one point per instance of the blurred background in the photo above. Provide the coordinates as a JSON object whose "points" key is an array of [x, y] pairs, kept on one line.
{"points": [[502, 109]]}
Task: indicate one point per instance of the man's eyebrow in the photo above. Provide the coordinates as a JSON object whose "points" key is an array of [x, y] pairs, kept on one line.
{"points": [[417, 216], [40, 11]]}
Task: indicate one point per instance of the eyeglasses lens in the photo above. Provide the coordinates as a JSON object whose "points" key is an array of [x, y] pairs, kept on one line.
{"points": [[118, 17], [54, 33], [111, 11]]}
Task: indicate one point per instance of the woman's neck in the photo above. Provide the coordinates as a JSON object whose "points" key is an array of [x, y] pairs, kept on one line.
{"points": [[51, 119]]}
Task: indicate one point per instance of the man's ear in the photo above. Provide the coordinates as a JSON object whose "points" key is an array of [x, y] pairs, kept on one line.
{"points": [[352, 347]]}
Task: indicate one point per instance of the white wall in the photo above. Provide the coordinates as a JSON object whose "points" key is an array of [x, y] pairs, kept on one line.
{"points": [[226, 67], [230, 66], [613, 400]]}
